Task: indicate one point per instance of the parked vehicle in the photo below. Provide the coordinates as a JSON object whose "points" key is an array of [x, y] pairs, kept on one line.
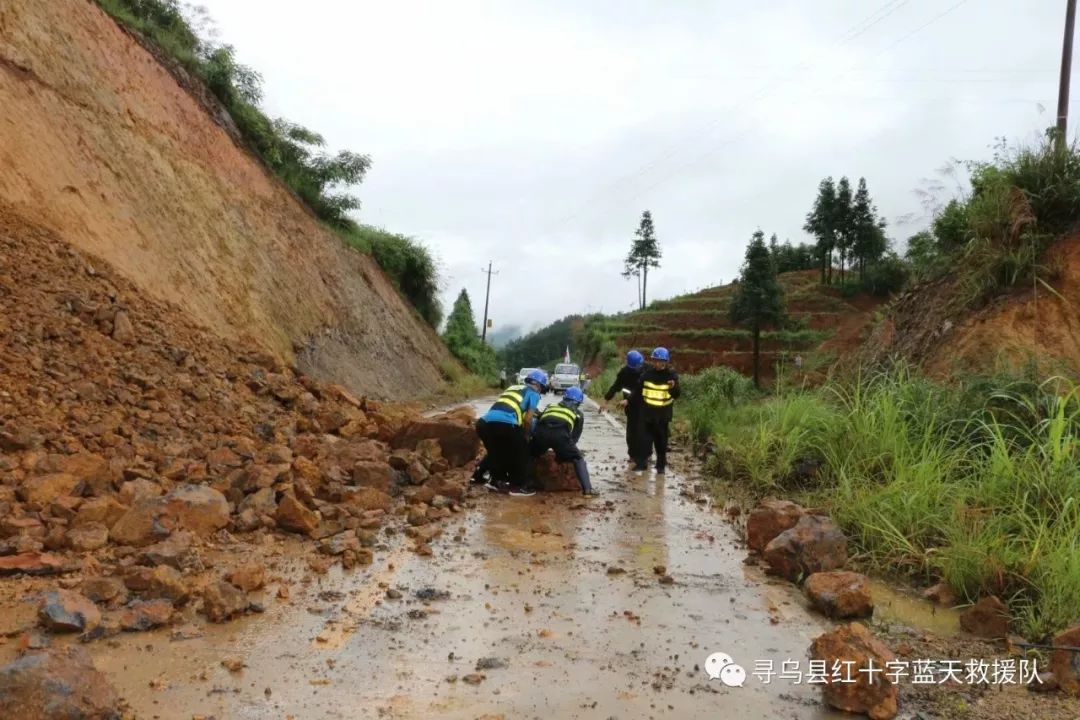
{"points": [[522, 374], [566, 375]]}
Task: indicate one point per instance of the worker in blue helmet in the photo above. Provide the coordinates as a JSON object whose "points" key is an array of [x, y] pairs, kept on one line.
{"points": [[504, 431], [559, 428], [658, 389], [625, 385]]}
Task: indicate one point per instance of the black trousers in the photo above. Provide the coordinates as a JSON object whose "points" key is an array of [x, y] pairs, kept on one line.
{"points": [[507, 452], [654, 437], [635, 434], [566, 450]]}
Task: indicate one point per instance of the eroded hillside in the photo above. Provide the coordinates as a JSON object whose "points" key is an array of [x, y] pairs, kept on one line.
{"points": [[101, 145]]}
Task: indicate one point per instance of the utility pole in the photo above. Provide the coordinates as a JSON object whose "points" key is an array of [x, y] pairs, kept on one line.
{"points": [[1066, 72], [487, 296]]}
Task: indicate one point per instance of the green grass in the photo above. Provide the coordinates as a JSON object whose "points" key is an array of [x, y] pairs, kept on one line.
{"points": [[976, 484]]}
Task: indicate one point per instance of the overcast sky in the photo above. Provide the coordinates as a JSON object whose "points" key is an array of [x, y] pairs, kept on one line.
{"points": [[533, 134]]}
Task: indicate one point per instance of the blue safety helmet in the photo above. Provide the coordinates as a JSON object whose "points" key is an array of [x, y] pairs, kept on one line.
{"points": [[574, 394], [538, 376], [634, 359], [660, 354]]}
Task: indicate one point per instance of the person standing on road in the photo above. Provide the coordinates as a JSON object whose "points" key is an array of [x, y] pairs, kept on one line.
{"points": [[503, 430], [502, 379], [658, 389], [559, 428], [626, 383]]}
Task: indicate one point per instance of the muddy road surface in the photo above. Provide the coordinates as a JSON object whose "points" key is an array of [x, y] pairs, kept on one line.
{"points": [[542, 607]]}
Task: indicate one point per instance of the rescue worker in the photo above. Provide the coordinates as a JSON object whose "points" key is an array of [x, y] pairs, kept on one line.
{"points": [[658, 389], [626, 383], [503, 430], [559, 428]]}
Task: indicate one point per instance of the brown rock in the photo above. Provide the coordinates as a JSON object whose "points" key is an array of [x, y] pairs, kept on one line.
{"points": [[261, 502], [376, 475], [103, 510], [197, 508], [144, 615], [941, 594], [1066, 664], [552, 476], [46, 488], [31, 564], [138, 489], [417, 473], [872, 694], [367, 499], [167, 582], [222, 601], [249, 577], [768, 520], [459, 442], [56, 683], [90, 536], [123, 329], [68, 611], [417, 516], [840, 595], [176, 551], [16, 527], [104, 590], [815, 544], [988, 618], [293, 516]]}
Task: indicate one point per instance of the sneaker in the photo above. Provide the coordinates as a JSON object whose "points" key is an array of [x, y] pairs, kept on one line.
{"points": [[590, 493], [521, 492], [660, 470], [478, 480], [490, 485], [640, 467]]}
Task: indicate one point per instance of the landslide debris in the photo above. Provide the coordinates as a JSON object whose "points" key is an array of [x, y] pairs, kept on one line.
{"points": [[131, 438]]}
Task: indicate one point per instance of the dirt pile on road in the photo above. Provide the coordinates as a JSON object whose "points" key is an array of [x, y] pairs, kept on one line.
{"points": [[131, 438], [925, 326], [105, 147]]}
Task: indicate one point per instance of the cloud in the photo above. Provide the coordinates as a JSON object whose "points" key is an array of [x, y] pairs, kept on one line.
{"points": [[533, 134]]}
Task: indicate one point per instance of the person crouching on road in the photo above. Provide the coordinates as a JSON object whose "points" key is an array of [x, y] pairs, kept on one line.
{"points": [[626, 383], [559, 428], [503, 430], [658, 390]]}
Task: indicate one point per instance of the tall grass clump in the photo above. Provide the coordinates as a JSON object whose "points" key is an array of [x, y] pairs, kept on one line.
{"points": [[976, 484]]}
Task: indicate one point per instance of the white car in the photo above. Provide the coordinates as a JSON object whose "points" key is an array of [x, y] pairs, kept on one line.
{"points": [[566, 376], [523, 373]]}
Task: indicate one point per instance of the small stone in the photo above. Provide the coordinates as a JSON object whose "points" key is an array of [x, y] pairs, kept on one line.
{"points": [[222, 601], [234, 663], [68, 611], [249, 577], [988, 618]]}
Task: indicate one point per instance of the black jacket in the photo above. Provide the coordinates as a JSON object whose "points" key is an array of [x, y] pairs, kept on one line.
{"points": [[552, 425], [659, 377], [628, 378]]}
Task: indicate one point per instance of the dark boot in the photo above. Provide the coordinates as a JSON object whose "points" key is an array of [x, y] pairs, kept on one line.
{"points": [[582, 471]]}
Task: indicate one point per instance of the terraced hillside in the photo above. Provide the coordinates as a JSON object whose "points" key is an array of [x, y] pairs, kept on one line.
{"points": [[824, 326]]}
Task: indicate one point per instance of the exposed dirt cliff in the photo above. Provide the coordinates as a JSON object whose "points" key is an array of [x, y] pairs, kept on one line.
{"points": [[101, 145]]}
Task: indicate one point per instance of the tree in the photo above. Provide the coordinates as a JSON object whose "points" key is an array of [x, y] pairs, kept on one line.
{"points": [[843, 222], [869, 243], [463, 340], [821, 223], [758, 300], [644, 254]]}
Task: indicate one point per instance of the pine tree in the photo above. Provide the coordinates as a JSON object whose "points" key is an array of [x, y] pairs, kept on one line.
{"points": [[820, 222], [758, 299], [644, 254], [463, 339], [870, 242], [843, 222]]}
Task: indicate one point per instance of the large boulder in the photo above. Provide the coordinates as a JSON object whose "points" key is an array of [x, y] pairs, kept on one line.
{"points": [[840, 595], [458, 441], [196, 508], [56, 684], [552, 476], [815, 544], [68, 611], [768, 520], [1065, 663], [988, 618], [857, 688]]}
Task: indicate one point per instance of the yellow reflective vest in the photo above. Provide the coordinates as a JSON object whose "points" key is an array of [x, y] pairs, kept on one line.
{"points": [[656, 394], [512, 400]]}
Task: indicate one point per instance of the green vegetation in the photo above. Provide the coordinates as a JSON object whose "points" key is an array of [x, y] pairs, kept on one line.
{"points": [[974, 483], [319, 179], [644, 254], [995, 238], [543, 347], [758, 300], [463, 340]]}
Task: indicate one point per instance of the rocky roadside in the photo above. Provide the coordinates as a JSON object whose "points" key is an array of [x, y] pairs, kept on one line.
{"points": [[143, 462]]}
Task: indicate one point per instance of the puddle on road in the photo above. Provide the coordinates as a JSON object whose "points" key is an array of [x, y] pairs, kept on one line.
{"points": [[896, 606]]}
